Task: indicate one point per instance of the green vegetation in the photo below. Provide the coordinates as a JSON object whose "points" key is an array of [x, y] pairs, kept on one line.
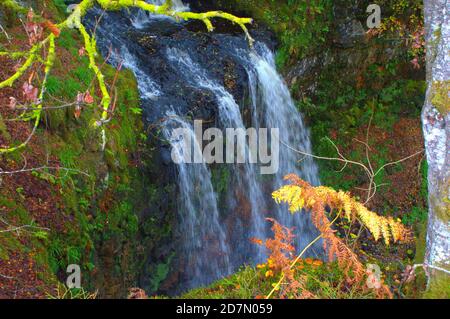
{"points": [[99, 192], [324, 280], [107, 212], [301, 26], [342, 109]]}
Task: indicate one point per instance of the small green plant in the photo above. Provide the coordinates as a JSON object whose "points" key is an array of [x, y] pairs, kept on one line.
{"points": [[41, 234], [44, 175], [417, 215], [136, 110], [160, 273]]}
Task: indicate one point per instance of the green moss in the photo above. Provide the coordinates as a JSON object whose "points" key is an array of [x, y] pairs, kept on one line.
{"points": [[440, 96], [301, 26], [60, 5], [160, 273], [3, 131], [415, 289], [244, 284], [439, 287], [220, 179], [83, 74], [30, 240], [68, 40], [99, 209], [62, 88], [441, 206]]}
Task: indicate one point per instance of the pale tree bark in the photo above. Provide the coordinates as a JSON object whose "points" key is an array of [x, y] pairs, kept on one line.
{"points": [[436, 129]]}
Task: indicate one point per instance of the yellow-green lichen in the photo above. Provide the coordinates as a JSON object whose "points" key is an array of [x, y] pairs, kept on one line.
{"points": [[440, 99]]}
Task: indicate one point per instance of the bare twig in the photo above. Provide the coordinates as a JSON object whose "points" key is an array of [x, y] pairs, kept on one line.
{"points": [[7, 277], [13, 228], [425, 266], [25, 170], [6, 34], [368, 169]]}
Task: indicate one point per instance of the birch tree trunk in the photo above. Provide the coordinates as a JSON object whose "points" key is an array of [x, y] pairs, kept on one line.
{"points": [[436, 130]]}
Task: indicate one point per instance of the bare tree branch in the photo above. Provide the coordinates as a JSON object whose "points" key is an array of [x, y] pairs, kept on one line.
{"points": [[26, 170], [368, 169], [13, 228]]}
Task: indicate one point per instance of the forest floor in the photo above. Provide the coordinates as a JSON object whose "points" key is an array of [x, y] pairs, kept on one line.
{"points": [[23, 191]]}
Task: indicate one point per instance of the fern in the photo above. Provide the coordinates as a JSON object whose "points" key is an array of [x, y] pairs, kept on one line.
{"points": [[281, 249], [300, 195]]}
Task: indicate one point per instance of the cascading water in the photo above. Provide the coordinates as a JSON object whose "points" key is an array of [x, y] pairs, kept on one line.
{"points": [[177, 69], [204, 246], [148, 89], [274, 108], [245, 176]]}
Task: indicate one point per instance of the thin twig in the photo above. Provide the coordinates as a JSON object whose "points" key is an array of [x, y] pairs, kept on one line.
{"points": [[6, 34], [424, 266], [13, 228], [25, 170], [373, 187]]}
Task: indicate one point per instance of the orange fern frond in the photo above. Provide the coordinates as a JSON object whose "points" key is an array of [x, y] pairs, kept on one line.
{"points": [[300, 194]]}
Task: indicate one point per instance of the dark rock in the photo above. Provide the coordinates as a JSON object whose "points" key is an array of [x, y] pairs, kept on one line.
{"points": [[349, 33], [347, 29], [166, 156], [69, 2]]}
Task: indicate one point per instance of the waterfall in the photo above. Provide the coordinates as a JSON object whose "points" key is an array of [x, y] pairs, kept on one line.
{"points": [[246, 177], [212, 238], [273, 107], [148, 89], [204, 247], [203, 241]]}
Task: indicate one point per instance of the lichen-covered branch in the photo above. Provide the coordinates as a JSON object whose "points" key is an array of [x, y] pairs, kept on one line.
{"points": [[89, 43], [74, 21], [167, 10]]}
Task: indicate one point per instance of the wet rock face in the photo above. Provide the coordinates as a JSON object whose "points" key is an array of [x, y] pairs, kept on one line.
{"points": [[215, 52], [179, 93], [348, 33], [348, 18], [348, 50]]}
